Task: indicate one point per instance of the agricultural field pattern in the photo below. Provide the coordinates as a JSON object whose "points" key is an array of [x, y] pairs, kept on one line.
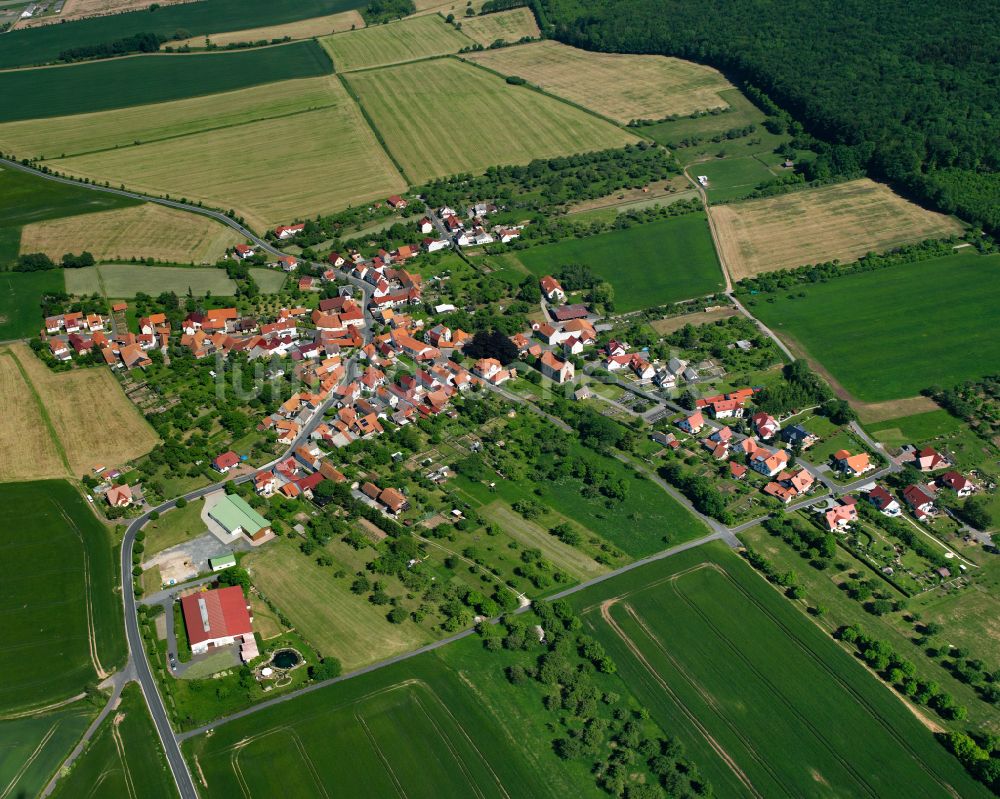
{"points": [[499, 399]]}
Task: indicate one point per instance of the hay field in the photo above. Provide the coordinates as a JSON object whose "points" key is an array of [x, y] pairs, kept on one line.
{"points": [[143, 231], [103, 130], [123, 281], [671, 324], [406, 40], [843, 221], [270, 171], [29, 451], [622, 87], [511, 26], [335, 621], [93, 419], [463, 119], [301, 29]]}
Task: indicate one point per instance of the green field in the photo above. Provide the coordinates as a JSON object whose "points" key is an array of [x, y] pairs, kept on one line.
{"points": [[890, 333], [122, 281], [919, 427], [655, 519], [20, 294], [445, 724], [732, 178], [61, 609], [767, 703], [141, 80], [648, 265], [32, 748], [26, 198], [406, 40], [123, 758], [43, 44], [460, 118]]}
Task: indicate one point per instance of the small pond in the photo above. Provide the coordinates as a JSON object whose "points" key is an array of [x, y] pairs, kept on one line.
{"points": [[286, 658]]}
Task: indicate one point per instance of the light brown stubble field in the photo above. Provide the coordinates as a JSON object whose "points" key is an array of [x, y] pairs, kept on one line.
{"points": [[301, 29], [843, 222], [621, 87], [29, 453], [93, 419], [142, 231]]}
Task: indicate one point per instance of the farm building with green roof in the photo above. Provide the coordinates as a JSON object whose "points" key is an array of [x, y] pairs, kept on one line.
{"points": [[237, 517]]}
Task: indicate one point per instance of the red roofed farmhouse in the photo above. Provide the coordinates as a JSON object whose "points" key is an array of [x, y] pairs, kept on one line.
{"points": [[219, 618]]}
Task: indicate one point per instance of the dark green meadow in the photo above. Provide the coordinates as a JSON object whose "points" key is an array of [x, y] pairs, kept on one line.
{"points": [[26, 198], [33, 748], [760, 696], [893, 332], [647, 264], [58, 578], [105, 771], [140, 80], [41, 45], [441, 724]]}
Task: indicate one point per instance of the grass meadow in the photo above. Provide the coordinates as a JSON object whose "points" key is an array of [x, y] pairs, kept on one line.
{"points": [[31, 448], [463, 119], [406, 40], [649, 264], [300, 29], [34, 747], [122, 281], [511, 26], [123, 758], [889, 334], [143, 231], [270, 171], [732, 178], [324, 611], [42, 45], [20, 295], [622, 87], [58, 583], [143, 79], [766, 703], [843, 221]]}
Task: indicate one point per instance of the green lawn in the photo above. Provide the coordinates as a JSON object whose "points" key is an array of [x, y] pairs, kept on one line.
{"points": [[919, 427], [648, 265], [26, 198], [732, 178], [58, 578], [888, 334], [141, 80], [20, 295], [33, 748], [124, 758], [647, 521], [174, 527], [726, 659]]}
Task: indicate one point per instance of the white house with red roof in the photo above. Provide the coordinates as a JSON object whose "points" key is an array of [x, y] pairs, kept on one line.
{"points": [[884, 502], [920, 500], [551, 289], [765, 425], [218, 618], [929, 459], [957, 482], [839, 517], [226, 461], [289, 231], [693, 423], [555, 369]]}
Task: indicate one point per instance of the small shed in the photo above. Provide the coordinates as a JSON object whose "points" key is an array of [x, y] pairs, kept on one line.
{"points": [[222, 562]]}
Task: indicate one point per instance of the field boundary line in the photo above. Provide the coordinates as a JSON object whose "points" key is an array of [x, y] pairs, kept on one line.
{"points": [[144, 142], [31, 759], [460, 727], [43, 411], [443, 736], [89, 602], [374, 128], [380, 754], [778, 694], [539, 90], [843, 683], [120, 746], [605, 609]]}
